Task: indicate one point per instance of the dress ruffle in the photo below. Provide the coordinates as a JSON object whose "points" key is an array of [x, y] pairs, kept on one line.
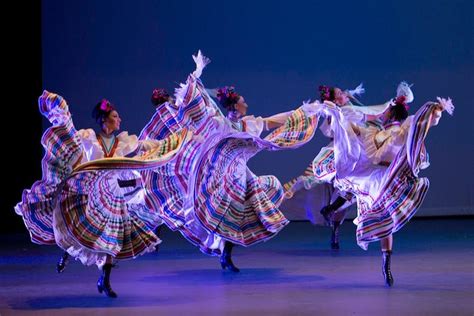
{"points": [[96, 217]]}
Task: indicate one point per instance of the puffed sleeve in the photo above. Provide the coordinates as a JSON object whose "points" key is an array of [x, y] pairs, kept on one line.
{"points": [[90, 145], [127, 144], [253, 125]]}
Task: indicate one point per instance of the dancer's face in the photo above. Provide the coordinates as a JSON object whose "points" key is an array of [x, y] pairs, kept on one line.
{"points": [[241, 106], [112, 121], [340, 97]]}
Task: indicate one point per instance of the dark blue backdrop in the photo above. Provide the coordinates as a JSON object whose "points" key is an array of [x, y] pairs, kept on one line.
{"points": [[276, 53]]}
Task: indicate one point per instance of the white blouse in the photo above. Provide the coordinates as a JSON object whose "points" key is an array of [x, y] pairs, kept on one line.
{"points": [[125, 145], [383, 145], [256, 125]]}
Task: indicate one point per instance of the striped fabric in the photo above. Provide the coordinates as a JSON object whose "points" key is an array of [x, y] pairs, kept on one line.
{"points": [[321, 170], [273, 189], [170, 118], [62, 151], [400, 192], [323, 165], [309, 194], [307, 176], [231, 201], [81, 207], [234, 203], [169, 187], [297, 131], [102, 217], [209, 183]]}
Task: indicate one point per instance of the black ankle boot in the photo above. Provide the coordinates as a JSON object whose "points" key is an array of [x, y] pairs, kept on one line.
{"points": [[62, 262], [327, 211], [335, 235], [226, 258], [103, 284], [338, 202], [387, 273]]}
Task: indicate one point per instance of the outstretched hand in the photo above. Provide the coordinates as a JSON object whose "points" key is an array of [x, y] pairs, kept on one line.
{"points": [[358, 90], [201, 62], [446, 104]]}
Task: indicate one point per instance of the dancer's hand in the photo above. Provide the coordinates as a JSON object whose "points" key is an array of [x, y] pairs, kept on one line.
{"points": [[358, 90], [446, 105], [201, 62], [442, 105]]}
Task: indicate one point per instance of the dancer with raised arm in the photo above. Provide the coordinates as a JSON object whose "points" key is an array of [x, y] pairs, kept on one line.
{"points": [[90, 201]]}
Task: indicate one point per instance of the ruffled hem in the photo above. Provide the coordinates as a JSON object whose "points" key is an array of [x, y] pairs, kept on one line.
{"points": [[208, 243], [96, 217], [237, 205], [93, 257], [390, 213]]}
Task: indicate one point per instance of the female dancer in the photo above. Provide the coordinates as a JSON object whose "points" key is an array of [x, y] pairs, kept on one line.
{"points": [[208, 193], [89, 200], [380, 165], [319, 176]]}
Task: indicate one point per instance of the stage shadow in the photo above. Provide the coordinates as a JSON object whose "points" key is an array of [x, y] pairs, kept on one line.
{"points": [[220, 277]]}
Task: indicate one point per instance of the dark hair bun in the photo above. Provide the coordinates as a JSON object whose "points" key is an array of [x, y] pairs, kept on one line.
{"points": [[326, 93], [159, 96], [102, 110], [227, 97]]}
